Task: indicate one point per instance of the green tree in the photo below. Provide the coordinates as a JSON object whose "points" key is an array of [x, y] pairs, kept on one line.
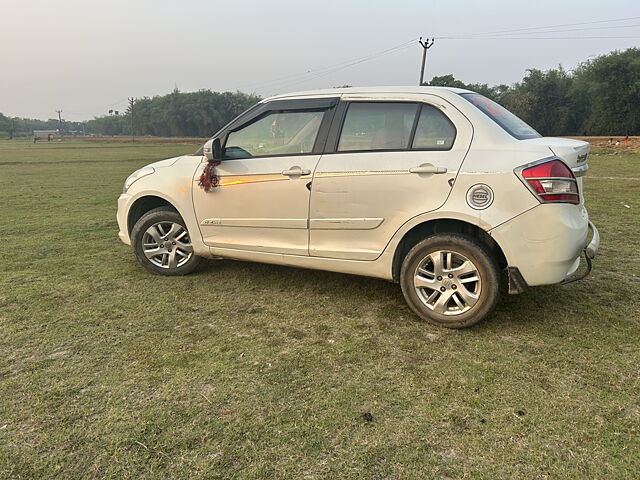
{"points": [[546, 101], [610, 84], [600, 97], [192, 114], [495, 93], [5, 124]]}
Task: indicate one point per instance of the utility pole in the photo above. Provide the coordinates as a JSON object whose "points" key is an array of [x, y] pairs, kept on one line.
{"points": [[60, 120], [426, 45], [133, 133]]}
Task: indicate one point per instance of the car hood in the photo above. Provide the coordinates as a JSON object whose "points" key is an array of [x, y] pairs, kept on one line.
{"points": [[164, 163]]}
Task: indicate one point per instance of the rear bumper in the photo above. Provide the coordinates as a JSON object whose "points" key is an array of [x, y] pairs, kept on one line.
{"points": [[591, 250], [544, 244]]}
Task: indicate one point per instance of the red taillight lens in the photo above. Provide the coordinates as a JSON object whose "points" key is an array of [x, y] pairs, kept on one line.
{"points": [[552, 181]]}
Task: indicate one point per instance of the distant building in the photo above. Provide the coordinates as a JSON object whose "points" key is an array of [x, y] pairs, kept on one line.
{"points": [[45, 134]]}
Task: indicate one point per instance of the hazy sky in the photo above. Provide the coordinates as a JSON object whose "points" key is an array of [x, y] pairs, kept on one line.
{"points": [[87, 56]]}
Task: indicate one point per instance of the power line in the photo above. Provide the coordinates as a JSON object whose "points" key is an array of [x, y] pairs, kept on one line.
{"points": [[100, 108], [562, 31], [311, 74], [530, 38], [296, 79], [549, 26], [336, 69], [330, 68], [116, 103]]}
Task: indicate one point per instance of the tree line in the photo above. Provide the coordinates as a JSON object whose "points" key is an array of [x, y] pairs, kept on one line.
{"points": [[192, 114], [177, 114], [599, 97], [16, 126]]}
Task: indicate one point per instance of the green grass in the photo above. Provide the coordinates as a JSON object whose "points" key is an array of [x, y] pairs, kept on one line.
{"points": [[255, 371]]}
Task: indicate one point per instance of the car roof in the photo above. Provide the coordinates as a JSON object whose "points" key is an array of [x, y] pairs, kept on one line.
{"points": [[368, 91]]}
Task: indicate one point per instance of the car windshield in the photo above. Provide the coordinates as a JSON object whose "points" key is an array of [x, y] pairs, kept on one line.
{"points": [[503, 117]]}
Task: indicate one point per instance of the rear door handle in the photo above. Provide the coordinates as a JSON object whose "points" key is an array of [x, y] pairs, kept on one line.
{"points": [[296, 171], [428, 168]]}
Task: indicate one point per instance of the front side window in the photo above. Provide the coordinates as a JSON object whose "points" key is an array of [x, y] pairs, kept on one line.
{"points": [[277, 133], [509, 122], [377, 126], [434, 131]]}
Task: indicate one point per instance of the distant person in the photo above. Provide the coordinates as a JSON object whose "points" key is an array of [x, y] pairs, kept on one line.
{"points": [[626, 140], [35, 139], [617, 142], [610, 141]]}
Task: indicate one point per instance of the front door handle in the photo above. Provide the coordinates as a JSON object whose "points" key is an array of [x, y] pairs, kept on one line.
{"points": [[296, 171], [428, 168]]}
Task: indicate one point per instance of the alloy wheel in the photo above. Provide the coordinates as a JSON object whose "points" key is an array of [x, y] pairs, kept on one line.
{"points": [[447, 282], [167, 245]]}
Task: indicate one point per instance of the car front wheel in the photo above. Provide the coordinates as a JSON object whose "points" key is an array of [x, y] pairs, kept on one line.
{"points": [[161, 243], [450, 280]]}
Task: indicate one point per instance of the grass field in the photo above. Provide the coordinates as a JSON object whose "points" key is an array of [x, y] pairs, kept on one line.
{"points": [[255, 371]]}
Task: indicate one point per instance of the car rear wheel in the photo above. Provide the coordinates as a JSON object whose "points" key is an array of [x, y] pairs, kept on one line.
{"points": [[450, 280], [161, 243]]}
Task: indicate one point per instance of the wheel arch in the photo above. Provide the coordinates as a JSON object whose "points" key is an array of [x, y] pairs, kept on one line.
{"points": [[443, 225], [143, 205]]}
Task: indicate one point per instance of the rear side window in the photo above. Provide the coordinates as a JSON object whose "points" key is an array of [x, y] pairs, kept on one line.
{"points": [[509, 122], [434, 131], [377, 126]]}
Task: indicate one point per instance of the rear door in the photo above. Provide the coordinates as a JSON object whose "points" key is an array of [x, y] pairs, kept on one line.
{"points": [[387, 160]]}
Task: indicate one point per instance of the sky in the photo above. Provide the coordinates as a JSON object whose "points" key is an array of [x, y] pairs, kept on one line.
{"points": [[86, 56]]}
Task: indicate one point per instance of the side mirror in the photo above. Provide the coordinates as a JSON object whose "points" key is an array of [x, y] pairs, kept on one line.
{"points": [[213, 149]]}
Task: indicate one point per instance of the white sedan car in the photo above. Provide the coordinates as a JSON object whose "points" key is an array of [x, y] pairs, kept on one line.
{"points": [[438, 189]]}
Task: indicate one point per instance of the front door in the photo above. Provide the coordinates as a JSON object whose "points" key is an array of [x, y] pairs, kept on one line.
{"points": [[391, 160], [262, 201]]}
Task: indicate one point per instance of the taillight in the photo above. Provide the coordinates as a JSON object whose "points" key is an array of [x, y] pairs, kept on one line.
{"points": [[551, 181]]}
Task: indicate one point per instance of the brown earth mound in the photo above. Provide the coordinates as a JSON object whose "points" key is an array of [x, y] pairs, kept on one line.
{"points": [[613, 144]]}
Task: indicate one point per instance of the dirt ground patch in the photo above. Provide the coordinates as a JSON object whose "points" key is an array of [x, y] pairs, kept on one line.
{"points": [[613, 144]]}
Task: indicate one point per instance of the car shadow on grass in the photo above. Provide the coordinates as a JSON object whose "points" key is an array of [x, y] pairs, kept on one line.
{"points": [[280, 277], [534, 308]]}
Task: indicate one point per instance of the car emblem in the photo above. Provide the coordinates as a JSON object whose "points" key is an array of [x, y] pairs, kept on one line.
{"points": [[480, 196]]}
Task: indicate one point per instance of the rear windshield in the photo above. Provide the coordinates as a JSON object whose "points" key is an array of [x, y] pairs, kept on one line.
{"points": [[503, 117]]}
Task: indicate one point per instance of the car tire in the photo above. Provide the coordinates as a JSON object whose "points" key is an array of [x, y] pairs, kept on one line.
{"points": [[162, 244], [450, 280]]}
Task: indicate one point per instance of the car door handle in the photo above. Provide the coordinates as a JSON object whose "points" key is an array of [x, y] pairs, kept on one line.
{"points": [[296, 172], [428, 169]]}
